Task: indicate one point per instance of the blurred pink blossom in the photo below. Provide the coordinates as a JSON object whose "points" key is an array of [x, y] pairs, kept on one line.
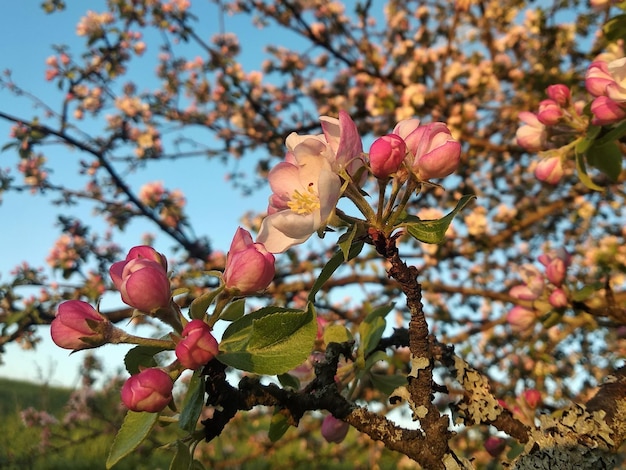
{"points": [[549, 170], [549, 112], [559, 93], [532, 136], [334, 430]]}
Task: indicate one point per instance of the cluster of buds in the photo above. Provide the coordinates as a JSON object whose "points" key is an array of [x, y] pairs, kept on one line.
{"points": [[607, 83], [429, 151], [549, 130], [539, 286], [143, 283], [319, 169]]}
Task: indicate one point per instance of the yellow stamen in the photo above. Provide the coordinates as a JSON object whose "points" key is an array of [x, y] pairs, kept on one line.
{"points": [[304, 203]]}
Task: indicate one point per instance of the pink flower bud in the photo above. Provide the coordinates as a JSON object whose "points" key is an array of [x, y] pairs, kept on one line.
{"points": [[533, 278], [597, 78], [560, 93], [617, 90], [523, 292], [521, 319], [78, 325], [150, 390], [145, 251], [532, 398], [532, 136], [606, 111], [142, 279], [334, 430], [249, 266], [558, 253], [435, 153], [197, 346], [386, 155], [495, 445], [558, 298], [549, 112], [556, 271], [549, 170]]}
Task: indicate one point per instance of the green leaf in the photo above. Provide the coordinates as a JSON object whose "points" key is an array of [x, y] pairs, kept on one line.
{"points": [[201, 304], [193, 403], [289, 381], [336, 333], [333, 263], [582, 173], [371, 329], [587, 291], [8, 146], [278, 426], [372, 359], [607, 158], [615, 133], [387, 383], [182, 458], [345, 241], [135, 428], [269, 343], [234, 310], [615, 28], [141, 356], [551, 319], [434, 231]]}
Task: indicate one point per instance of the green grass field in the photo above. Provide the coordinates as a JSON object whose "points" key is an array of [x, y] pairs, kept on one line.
{"points": [[77, 444]]}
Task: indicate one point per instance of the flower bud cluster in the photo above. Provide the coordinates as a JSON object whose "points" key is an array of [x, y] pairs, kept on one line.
{"points": [[429, 151], [550, 129], [538, 287], [607, 83]]}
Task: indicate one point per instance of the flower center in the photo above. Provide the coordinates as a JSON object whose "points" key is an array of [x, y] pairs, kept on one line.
{"points": [[304, 203]]}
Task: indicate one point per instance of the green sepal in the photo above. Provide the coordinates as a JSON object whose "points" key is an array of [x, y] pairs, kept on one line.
{"points": [[200, 305], [234, 310]]}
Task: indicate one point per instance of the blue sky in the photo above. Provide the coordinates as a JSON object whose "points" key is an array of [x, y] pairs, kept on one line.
{"points": [[214, 206]]}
